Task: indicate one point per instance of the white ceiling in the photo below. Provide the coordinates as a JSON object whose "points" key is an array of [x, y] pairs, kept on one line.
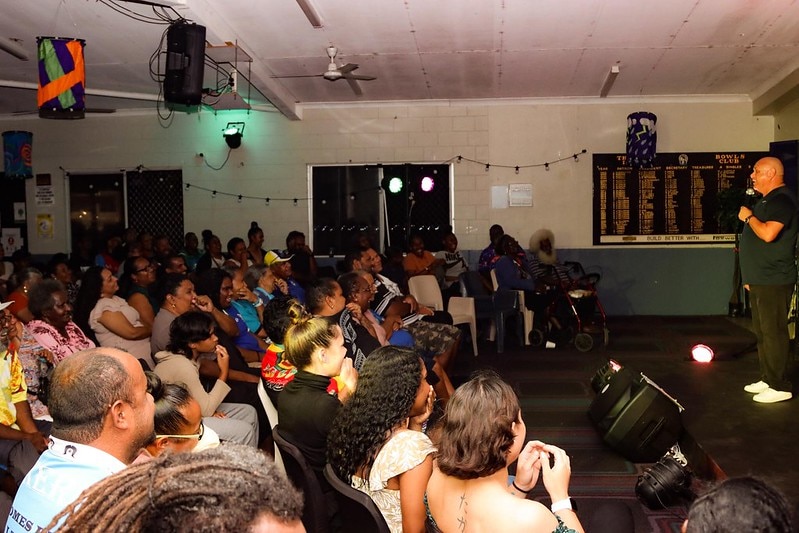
{"points": [[434, 49]]}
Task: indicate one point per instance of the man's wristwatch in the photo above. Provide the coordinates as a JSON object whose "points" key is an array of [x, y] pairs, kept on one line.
{"points": [[566, 503], [746, 220]]}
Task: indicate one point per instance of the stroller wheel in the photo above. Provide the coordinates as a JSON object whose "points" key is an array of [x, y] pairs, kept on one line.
{"points": [[538, 337], [583, 342]]}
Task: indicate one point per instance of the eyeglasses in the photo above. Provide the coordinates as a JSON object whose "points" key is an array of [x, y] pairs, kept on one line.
{"points": [[148, 268], [196, 436]]}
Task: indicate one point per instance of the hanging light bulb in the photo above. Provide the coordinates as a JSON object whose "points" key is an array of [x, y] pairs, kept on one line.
{"points": [[213, 194], [487, 167], [239, 198], [546, 167], [517, 169], [267, 201]]}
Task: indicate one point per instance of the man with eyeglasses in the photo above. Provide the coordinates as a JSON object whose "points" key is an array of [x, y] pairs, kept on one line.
{"points": [[102, 416]]}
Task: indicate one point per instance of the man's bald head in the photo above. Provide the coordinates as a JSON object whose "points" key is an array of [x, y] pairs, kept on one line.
{"points": [[767, 174], [775, 163], [84, 386]]}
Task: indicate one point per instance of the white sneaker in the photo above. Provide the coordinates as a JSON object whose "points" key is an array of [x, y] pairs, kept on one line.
{"points": [[772, 396], [756, 388]]}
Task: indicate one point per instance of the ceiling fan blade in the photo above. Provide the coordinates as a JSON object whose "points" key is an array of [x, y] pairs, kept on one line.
{"points": [[359, 77], [354, 86], [300, 76], [349, 67]]}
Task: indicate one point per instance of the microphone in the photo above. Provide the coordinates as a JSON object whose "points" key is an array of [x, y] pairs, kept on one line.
{"points": [[751, 196]]}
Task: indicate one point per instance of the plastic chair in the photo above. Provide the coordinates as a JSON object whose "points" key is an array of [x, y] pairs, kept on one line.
{"points": [[357, 510], [314, 514], [271, 414], [496, 307], [527, 314], [427, 292]]}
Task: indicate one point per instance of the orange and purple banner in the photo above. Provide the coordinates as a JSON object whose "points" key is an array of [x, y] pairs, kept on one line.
{"points": [[62, 77]]}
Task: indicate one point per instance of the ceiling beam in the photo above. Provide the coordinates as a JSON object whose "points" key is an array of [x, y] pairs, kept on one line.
{"points": [[214, 20], [778, 96]]}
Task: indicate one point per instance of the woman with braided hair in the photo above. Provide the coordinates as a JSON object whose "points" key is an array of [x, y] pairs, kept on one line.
{"points": [[377, 443], [229, 488]]}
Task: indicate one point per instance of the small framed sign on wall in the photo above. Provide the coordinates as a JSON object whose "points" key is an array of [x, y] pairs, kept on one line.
{"points": [[520, 195]]}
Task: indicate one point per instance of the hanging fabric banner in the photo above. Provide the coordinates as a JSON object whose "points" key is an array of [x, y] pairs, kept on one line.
{"points": [[62, 78], [642, 138], [17, 154]]}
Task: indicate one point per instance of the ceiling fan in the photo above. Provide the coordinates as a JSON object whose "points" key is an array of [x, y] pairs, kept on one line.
{"points": [[335, 73]]}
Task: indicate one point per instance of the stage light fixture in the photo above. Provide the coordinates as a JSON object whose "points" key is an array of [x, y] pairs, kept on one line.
{"points": [[233, 133], [702, 353], [392, 185], [427, 184]]}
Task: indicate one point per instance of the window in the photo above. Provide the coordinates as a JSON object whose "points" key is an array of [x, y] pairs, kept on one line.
{"points": [[352, 200]]}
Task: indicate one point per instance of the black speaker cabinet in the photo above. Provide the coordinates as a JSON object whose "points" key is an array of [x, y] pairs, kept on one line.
{"points": [[636, 417], [185, 63]]}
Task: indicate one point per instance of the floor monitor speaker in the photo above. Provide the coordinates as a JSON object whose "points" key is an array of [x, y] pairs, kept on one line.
{"points": [[185, 63], [635, 417]]}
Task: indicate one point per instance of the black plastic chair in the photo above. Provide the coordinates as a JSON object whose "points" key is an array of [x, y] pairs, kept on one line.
{"points": [[498, 306], [356, 509], [314, 514]]}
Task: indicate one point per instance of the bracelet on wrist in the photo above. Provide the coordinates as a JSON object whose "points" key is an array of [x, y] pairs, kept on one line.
{"points": [[562, 505], [515, 486], [746, 220]]}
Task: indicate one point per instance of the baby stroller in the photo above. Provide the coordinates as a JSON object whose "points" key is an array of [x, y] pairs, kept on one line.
{"points": [[569, 309]]}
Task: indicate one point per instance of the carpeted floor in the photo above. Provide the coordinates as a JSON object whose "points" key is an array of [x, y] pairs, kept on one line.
{"points": [[555, 394]]}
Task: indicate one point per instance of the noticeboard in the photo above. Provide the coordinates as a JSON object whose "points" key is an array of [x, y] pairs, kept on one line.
{"points": [[675, 201]]}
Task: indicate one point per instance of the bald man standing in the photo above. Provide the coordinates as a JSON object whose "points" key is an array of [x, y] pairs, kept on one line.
{"points": [[768, 269]]}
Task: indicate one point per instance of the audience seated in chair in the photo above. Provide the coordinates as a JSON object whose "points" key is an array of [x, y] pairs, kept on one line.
{"points": [[377, 442], [190, 335], [228, 488]]}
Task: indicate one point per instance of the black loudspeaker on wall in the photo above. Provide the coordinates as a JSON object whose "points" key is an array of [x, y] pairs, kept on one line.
{"points": [[185, 63], [634, 416]]}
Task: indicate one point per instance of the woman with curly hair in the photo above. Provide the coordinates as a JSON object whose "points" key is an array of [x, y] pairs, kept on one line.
{"points": [[482, 433], [377, 444]]}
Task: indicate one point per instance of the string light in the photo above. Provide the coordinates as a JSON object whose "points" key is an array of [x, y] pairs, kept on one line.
{"points": [[295, 202], [517, 168], [187, 186], [239, 198], [213, 194], [267, 201]]}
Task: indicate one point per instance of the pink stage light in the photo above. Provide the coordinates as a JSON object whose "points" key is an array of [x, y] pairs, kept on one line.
{"points": [[427, 184], [702, 353]]}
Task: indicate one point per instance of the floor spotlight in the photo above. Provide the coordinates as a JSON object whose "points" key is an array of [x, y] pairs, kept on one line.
{"points": [[702, 353], [427, 184], [233, 133]]}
